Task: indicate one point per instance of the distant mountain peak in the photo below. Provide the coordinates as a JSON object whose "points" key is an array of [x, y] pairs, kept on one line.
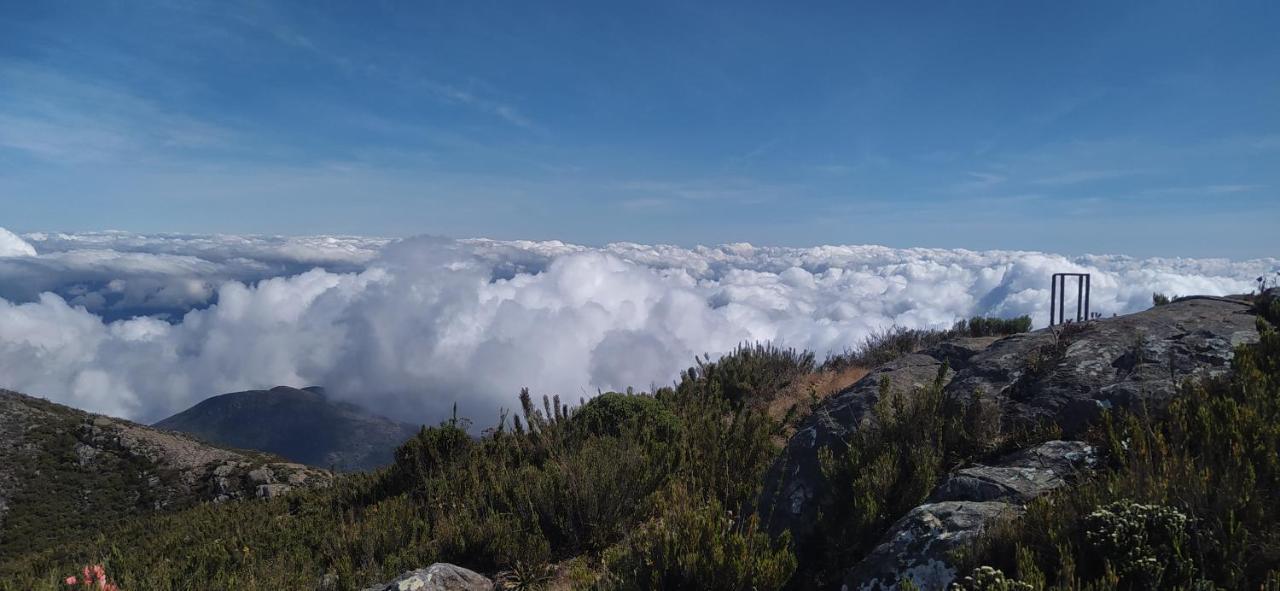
{"points": [[301, 424]]}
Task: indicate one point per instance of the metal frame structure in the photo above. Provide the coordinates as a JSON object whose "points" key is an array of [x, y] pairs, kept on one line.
{"points": [[1058, 297]]}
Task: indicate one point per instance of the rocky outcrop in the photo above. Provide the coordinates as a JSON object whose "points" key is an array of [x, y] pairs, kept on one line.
{"points": [[437, 577], [1067, 376], [918, 546], [48, 450], [1064, 376]]}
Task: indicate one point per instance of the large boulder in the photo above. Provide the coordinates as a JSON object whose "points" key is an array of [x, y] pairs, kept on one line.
{"points": [[438, 577], [1068, 375], [919, 546]]}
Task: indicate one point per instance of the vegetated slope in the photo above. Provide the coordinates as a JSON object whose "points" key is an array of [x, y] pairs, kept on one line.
{"points": [[628, 491], [63, 470], [302, 425]]}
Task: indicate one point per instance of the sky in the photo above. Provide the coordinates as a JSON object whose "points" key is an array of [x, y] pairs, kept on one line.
{"points": [[1146, 129]]}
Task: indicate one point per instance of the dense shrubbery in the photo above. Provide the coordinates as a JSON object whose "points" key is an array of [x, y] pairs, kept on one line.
{"points": [[695, 544], [59, 493], [1188, 501], [549, 484]]}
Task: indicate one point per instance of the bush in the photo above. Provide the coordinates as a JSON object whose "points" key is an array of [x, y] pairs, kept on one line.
{"points": [[695, 544], [611, 413], [980, 326], [1159, 299], [750, 374], [1144, 545], [985, 578]]}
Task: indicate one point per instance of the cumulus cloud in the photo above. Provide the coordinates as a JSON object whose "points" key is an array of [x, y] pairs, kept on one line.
{"points": [[12, 245], [410, 327]]}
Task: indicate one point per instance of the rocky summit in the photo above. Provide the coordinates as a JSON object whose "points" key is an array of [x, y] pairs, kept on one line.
{"points": [[303, 425], [1061, 377]]}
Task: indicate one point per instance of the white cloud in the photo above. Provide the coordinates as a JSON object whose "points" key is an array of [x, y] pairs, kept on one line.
{"points": [[12, 245], [410, 327]]}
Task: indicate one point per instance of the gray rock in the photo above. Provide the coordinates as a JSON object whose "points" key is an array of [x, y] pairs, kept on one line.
{"points": [[85, 453], [1018, 477], [268, 491], [262, 475], [437, 577], [919, 545]]}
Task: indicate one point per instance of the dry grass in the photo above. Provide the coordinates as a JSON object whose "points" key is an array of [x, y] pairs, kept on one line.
{"points": [[808, 390]]}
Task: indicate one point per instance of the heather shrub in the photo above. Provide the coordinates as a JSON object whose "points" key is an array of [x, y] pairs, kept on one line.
{"points": [[985, 578], [1144, 545], [610, 413], [751, 373], [983, 326], [694, 543]]}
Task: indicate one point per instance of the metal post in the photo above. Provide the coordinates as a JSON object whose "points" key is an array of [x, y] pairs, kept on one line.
{"points": [[1079, 299], [1088, 287], [1062, 301], [1053, 296]]}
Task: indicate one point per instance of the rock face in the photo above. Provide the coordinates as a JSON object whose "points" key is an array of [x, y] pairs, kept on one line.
{"points": [[438, 577], [48, 452], [1065, 376], [302, 425], [957, 512]]}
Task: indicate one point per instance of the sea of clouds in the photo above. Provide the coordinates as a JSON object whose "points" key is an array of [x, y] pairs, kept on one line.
{"points": [[143, 326]]}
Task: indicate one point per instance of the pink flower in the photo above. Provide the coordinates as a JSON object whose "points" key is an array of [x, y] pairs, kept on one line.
{"points": [[70, 580]]}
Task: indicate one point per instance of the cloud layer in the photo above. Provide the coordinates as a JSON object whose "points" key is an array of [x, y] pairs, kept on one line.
{"points": [[142, 326]]}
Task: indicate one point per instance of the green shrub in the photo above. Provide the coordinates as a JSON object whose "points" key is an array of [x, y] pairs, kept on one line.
{"points": [[1159, 299], [980, 326], [694, 543], [611, 413], [985, 578], [1143, 544], [750, 374]]}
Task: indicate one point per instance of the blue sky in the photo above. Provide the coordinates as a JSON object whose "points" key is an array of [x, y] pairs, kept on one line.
{"points": [[1138, 128]]}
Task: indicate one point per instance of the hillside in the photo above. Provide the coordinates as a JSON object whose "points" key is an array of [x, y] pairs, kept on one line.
{"points": [[62, 470], [1135, 452], [301, 425]]}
